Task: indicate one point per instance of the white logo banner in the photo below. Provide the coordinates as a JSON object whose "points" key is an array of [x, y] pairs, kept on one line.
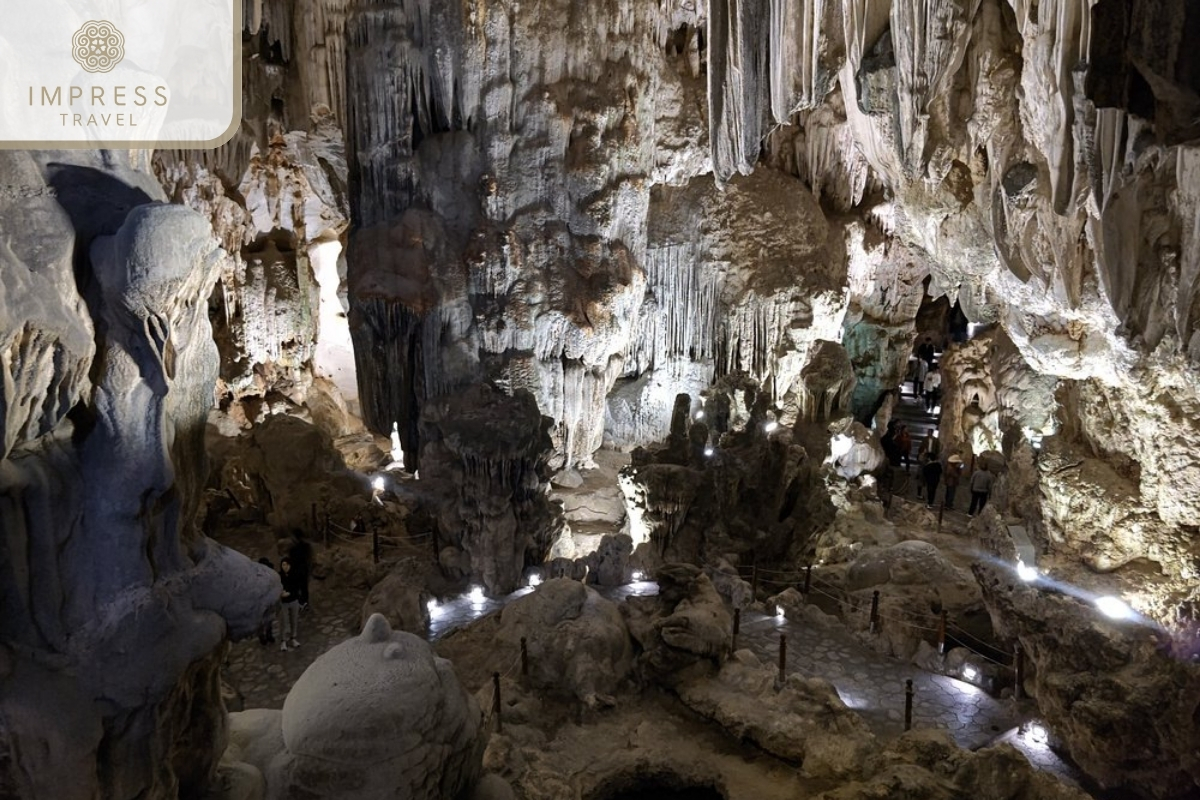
{"points": [[119, 73]]}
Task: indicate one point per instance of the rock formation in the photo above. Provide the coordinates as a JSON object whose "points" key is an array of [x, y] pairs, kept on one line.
{"points": [[705, 494], [485, 453], [377, 716], [1124, 705], [578, 644], [116, 608], [685, 630]]}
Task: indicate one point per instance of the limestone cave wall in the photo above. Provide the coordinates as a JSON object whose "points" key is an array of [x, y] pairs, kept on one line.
{"points": [[604, 204]]}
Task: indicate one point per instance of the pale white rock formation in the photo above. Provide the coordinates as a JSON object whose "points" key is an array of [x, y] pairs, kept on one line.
{"points": [[853, 450], [281, 314], [377, 716], [740, 280]]}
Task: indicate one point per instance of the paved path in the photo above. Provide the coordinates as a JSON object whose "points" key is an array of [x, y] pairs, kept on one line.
{"points": [[263, 675], [873, 684]]}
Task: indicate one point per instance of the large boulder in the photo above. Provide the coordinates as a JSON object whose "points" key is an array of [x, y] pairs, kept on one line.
{"points": [[401, 597], [577, 642], [927, 765], [686, 630], [803, 720], [378, 716]]}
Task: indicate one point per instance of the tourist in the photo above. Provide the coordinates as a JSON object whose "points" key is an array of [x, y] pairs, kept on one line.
{"points": [[904, 445], [925, 351], [888, 442], [981, 487], [930, 450], [289, 601], [920, 370], [931, 447], [932, 387], [300, 554], [951, 475], [932, 473]]}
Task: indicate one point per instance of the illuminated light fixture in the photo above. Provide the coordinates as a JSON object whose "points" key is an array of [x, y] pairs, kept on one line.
{"points": [[1037, 733], [700, 414], [377, 483], [638, 575], [770, 426], [708, 451], [476, 595], [432, 606], [779, 611], [1114, 607], [1026, 572], [970, 673], [534, 580]]}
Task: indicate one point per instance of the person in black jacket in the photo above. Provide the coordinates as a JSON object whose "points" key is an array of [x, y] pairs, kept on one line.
{"points": [[926, 352], [300, 554], [289, 612], [932, 473]]}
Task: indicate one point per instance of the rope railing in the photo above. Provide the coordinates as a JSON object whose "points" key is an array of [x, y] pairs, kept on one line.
{"points": [[417, 538], [914, 620]]}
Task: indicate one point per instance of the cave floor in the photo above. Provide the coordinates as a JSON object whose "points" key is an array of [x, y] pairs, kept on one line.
{"points": [[867, 681], [262, 675]]}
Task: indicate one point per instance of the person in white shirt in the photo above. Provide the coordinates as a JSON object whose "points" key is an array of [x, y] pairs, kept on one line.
{"points": [[932, 387]]}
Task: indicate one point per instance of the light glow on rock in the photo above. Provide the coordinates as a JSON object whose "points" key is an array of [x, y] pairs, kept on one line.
{"points": [[839, 445], [1114, 607]]}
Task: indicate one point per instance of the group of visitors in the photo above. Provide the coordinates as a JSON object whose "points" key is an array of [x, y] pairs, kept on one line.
{"points": [[949, 474], [294, 571]]}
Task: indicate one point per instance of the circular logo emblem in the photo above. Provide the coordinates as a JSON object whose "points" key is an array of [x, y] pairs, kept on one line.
{"points": [[98, 46]]}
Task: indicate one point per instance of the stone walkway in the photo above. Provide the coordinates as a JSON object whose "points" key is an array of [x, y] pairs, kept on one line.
{"points": [[263, 675], [873, 684]]}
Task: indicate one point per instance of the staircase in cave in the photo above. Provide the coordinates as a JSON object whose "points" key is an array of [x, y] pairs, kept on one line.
{"points": [[911, 412]]}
